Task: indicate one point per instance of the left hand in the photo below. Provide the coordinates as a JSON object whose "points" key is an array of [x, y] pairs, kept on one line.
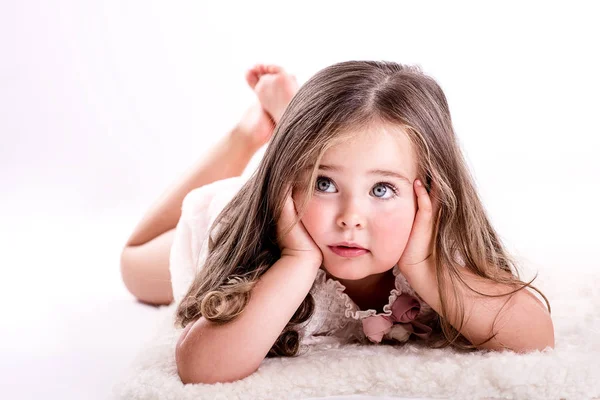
{"points": [[419, 247]]}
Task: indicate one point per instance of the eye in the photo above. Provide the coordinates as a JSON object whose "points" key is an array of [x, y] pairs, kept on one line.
{"points": [[383, 188], [380, 189], [321, 187]]}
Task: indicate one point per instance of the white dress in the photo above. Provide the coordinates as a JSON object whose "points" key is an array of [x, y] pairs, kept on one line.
{"points": [[336, 317]]}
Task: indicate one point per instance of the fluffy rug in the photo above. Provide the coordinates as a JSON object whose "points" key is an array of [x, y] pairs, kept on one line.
{"points": [[570, 371]]}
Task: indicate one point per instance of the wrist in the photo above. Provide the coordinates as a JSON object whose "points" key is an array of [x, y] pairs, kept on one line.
{"points": [[418, 271], [301, 257]]}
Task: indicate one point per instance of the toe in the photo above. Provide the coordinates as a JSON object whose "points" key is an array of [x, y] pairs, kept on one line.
{"points": [[260, 70], [273, 69], [254, 74], [252, 77]]}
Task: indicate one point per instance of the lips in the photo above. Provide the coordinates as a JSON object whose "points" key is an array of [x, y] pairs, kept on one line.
{"points": [[348, 250], [348, 244]]}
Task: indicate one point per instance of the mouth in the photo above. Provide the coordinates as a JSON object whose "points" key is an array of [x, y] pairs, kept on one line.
{"points": [[350, 245], [348, 251]]}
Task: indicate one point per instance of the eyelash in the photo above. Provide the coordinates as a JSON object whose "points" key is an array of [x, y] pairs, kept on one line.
{"points": [[387, 184]]}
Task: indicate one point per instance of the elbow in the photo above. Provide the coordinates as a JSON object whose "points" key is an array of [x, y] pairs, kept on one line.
{"points": [[195, 366], [187, 360], [192, 373], [537, 328], [528, 327], [537, 340], [542, 336], [183, 359], [185, 370]]}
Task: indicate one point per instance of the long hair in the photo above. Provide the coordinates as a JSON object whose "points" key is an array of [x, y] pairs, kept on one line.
{"points": [[339, 99]]}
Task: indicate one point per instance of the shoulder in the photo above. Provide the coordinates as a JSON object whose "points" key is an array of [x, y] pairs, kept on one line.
{"points": [[199, 200], [189, 249]]}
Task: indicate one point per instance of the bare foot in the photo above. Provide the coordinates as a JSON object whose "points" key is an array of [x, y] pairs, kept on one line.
{"points": [[274, 88]]}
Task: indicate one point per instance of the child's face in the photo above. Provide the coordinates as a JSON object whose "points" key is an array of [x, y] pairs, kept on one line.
{"points": [[351, 204]]}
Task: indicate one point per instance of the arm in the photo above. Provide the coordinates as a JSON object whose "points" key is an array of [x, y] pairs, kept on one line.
{"points": [[523, 324], [208, 353]]}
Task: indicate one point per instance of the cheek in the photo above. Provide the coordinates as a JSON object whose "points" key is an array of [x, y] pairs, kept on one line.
{"points": [[315, 215], [315, 218], [392, 230]]}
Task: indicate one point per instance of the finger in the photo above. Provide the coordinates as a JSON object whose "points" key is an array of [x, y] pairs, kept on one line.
{"points": [[433, 197], [423, 199], [422, 224]]}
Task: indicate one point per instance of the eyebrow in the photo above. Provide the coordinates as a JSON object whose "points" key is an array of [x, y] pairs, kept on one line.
{"points": [[381, 172]]}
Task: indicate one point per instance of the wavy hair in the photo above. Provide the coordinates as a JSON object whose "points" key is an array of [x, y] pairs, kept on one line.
{"points": [[339, 99]]}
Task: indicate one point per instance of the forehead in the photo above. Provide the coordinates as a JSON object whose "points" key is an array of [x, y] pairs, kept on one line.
{"points": [[376, 147]]}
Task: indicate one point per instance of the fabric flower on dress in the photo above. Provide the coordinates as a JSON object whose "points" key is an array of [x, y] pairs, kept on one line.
{"points": [[400, 324]]}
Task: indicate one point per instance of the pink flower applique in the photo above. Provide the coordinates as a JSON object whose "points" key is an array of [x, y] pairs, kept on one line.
{"points": [[400, 324]]}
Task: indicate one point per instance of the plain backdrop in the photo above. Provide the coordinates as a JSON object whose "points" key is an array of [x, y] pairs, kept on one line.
{"points": [[104, 104]]}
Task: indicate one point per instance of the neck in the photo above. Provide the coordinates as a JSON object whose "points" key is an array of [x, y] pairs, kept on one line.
{"points": [[369, 291]]}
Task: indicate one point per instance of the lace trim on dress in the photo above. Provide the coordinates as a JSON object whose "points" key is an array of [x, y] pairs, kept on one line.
{"points": [[351, 309]]}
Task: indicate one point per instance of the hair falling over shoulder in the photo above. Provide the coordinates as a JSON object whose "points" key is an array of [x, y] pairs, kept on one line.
{"points": [[335, 101]]}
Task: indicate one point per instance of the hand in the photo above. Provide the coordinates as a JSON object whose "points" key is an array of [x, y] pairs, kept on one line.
{"points": [[421, 240], [298, 241]]}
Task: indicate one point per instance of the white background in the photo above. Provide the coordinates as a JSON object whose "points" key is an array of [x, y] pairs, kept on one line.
{"points": [[104, 104]]}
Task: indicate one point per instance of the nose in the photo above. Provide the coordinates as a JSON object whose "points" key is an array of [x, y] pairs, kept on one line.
{"points": [[351, 217]]}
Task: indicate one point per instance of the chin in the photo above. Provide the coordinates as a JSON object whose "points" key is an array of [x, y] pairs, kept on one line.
{"points": [[348, 270]]}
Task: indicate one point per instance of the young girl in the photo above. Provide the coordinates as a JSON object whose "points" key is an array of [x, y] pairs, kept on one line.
{"points": [[361, 224]]}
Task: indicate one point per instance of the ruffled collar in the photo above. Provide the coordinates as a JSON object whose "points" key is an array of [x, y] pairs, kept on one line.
{"points": [[351, 308]]}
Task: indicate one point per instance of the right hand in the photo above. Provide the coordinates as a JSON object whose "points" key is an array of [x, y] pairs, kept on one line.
{"points": [[297, 242]]}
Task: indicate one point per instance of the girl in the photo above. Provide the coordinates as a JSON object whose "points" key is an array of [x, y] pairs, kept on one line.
{"points": [[361, 224]]}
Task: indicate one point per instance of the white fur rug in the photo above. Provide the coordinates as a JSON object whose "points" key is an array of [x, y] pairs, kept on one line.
{"points": [[570, 371]]}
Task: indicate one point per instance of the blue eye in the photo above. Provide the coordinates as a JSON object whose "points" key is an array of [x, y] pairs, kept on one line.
{"points": [[380, 189], [322, 179], [387, 188]]}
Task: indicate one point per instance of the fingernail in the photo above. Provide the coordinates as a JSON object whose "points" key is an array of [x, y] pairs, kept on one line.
{"points": [[419, 183]]}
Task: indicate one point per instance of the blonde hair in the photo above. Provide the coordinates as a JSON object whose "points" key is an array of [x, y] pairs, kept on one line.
{"points": [[341, 98]]}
